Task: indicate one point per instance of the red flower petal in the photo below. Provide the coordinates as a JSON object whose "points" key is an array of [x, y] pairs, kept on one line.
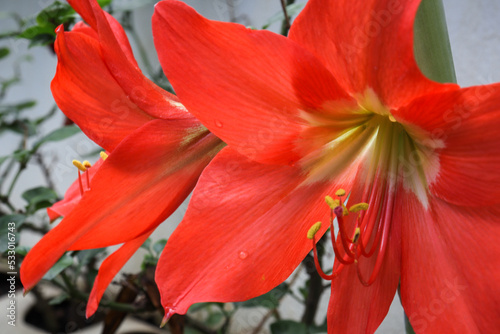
{"points": [[73, 194], [109, 268], [366, 44], [246, 227], [462, 127], [89, 95], [159, 163], [355, 308], [248, 87], [121, 64], [86, 10], [451, 266]]}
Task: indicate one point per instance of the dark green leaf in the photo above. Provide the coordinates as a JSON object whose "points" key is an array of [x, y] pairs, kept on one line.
{"points": [[269, 300], [147, 245], [22, 250], [408, 327], [35, 31], [58, 299], [200, 306], [22, 155], [4, 52], [39, 198], [288, 327], [3, 159], [159, 245], [85, 256], [318, 329], [64, 262], [104, 3], [215, 319], [58, 135]]}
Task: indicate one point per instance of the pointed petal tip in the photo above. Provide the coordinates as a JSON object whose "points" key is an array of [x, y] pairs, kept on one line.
{"points": [[59, 29], [168, 314], [89, 312], [26, 291]]}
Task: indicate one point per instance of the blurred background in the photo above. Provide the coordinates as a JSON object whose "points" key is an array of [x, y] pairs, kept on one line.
{"points": [[29, 114]]}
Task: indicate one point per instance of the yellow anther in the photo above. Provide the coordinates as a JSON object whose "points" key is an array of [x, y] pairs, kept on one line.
{"points": [[103, 155], [313, 230], [392, 119], [79, 165], [358, 207], [332, 203], [340, 192], [356, 235], [87, 164]]}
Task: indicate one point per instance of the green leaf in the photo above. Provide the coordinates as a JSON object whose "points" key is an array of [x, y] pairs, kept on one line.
{"points": [[38, 198], [6, 228], [4, 52], [104, 3], [3, 159], [22, 156], [200, 306], [269, 300], [147, 245], [64, 262], [159, 245], [431, 43], [85, 256], [22, 250], [59, 299], [57, 135], [288, 327], [318, 329], [408, 328], [215, 319], [18, 107], [35, 31]]}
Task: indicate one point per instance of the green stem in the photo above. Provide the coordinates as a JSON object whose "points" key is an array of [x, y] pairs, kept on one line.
{"points": [[431, 42]]}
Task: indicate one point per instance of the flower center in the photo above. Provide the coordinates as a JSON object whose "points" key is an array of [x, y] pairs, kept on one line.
{"points": [[385, 156]]}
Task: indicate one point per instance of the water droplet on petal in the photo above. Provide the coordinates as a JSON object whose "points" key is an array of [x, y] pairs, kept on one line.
{"points": [[218, 123], [243, 255]]}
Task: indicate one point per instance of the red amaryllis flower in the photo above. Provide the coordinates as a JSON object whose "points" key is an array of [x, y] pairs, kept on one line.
{"points": [[341, 103], [157, 150]]}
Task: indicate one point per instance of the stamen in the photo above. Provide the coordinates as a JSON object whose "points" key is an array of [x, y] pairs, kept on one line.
{"points": [[103, 155], [86, 164], [332, 203], [340, 193], [79, 165], [313, 230], [311, 234], [358, 207]]}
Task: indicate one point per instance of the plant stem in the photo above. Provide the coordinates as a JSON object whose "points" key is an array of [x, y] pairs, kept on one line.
{"points": [[285, 26]]}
